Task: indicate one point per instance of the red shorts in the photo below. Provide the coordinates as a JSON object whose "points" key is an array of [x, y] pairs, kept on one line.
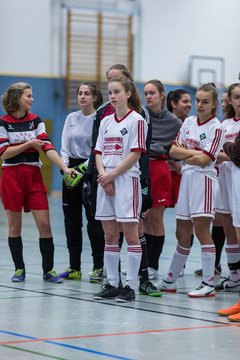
{"points": [[22, 186], [176, 178], [161, 183]]}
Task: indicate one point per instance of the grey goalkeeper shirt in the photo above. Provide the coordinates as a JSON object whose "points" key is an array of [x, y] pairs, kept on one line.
{"points": [[165, 127]]}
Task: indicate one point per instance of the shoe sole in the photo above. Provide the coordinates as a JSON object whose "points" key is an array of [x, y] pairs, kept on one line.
{"points": [[56, 282], [233, 320], [229, 313], [201, 296], [123, 301], [72, 279], [17, 280], [101, 298], [232, 289], [154, 294], [169, 291], [95, 281]]}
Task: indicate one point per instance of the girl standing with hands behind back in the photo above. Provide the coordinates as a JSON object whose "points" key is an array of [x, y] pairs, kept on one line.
{"points": [[121, 140]]}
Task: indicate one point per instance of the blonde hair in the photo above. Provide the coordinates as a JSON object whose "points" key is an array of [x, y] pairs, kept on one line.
{"points": [[10, 99]]}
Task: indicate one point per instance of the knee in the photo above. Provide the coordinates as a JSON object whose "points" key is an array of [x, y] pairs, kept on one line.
{"points": [[44, 227], [14, 230], [111, 238]]}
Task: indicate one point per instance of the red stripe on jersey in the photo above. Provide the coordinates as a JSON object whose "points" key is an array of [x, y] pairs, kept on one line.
{"points": [[141, 135], [140, 150], [10, 119], [176, 140], [97, 152], [216, 142], [3, 140], [2, 149]]}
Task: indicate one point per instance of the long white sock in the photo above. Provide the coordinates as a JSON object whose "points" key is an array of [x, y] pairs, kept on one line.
{"points": [[208, 255], [111, 261], [178, 261], [134, 256], [233, 259]]}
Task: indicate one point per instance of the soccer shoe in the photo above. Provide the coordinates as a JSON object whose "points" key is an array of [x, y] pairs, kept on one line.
{"points": [[217, 271], [147, 288], [232, 310], [107, 292], [152, 274], [166, 286], [235, 317], [204, 290], [228, 285], [97, 276], [19, 275], [71, 274], [52, 276], [126, 295]]}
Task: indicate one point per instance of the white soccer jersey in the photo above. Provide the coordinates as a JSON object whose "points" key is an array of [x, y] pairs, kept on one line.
{"points": [[117, 138], [231, 129], [207, 136]]}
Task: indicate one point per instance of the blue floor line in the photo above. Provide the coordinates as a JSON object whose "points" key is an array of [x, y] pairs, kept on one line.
{"points": [[66, 345]]}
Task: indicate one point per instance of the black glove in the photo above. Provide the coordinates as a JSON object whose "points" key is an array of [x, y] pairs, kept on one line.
{"points": [[146, 195]]}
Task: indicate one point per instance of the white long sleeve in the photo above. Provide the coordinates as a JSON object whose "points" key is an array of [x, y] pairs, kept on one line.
{"points": [[77, 136]]}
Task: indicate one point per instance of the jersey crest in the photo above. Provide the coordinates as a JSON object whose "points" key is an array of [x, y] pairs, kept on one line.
{"points": [[203, 136], [124, 131]]}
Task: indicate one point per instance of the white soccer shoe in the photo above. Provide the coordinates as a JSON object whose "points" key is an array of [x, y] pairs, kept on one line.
{"points": [[204, 290]]}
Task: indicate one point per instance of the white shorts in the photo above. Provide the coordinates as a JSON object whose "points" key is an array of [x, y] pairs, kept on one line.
{"points": [[197, 196], [224, 196], [236, 196], [125, 205]]}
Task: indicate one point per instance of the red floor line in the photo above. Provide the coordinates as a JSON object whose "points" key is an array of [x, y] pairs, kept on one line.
{"points": [[116, 334]]}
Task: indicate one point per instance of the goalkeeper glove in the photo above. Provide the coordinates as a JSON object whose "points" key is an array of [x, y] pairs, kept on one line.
{"points": [[71, 181]]}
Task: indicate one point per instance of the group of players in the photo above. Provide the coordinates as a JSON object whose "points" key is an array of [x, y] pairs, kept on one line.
{"points": [[135, 155]]}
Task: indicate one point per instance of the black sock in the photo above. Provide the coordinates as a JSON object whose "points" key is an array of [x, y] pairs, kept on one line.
{"points": [[218, 237], [155, 250], [192, 238], [149, 242], [47, 250], [16, 249], [143, 270]]}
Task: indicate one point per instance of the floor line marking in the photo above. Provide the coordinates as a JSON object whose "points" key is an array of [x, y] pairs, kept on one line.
{"points": [[53, 342], [34, 352], [31, 339], [119, 305]]}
